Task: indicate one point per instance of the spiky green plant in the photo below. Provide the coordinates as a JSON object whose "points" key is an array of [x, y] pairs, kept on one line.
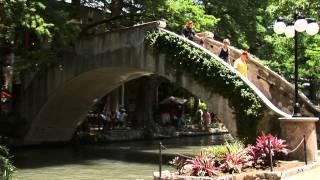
{"points": [[6, 167], [221, 150]]}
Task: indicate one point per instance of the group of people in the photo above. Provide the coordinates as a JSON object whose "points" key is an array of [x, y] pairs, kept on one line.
{"points": [[240, 64], [115, 119], [106, 121], [172, 116]]}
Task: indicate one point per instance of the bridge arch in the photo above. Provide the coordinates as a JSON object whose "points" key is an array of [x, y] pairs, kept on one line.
{"points": [[100, 64]]}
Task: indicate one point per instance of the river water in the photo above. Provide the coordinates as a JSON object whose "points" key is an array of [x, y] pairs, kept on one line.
{"points": [[135, 160]]}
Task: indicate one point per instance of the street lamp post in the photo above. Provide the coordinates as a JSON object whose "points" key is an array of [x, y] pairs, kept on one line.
{"points": [[300, 25]]}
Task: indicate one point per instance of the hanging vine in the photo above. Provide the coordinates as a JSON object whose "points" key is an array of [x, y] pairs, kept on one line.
{"points": [[214, 76]]}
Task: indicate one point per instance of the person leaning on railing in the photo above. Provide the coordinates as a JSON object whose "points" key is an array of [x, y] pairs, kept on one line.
{"points": [[189, 33]]}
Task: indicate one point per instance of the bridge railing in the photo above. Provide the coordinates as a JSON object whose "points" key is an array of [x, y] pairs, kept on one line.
{"points": [[257, 91], [272, 85]]}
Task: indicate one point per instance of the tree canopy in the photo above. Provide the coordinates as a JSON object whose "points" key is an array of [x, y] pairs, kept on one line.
{"points": [[18, 16], [247, 23]]}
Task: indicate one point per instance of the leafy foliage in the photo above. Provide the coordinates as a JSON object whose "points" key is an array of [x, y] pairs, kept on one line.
{"points": [[202, 164], [178, 12], [222, 150], [233, 162], [21, 14], [278, 50], [242, 21], [203, 106], [260, 152], [215, 76], [6, 168], [230, 157], [251, 28]]}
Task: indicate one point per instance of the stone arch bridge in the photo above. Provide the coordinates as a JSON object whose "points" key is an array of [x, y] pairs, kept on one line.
{"points": [[54, 102]]}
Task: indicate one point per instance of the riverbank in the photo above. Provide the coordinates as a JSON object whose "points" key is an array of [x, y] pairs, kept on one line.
{"points": [[138, 158], [117, 135], [292, 170]]}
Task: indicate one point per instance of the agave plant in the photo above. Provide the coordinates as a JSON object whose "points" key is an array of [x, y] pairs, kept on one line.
{"points": [[202, 165], [260, 152], [6, 167], [233, 163], [230, 157], [236, 158], [221, 150]]}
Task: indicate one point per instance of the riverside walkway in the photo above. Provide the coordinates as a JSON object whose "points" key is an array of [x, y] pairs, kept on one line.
{"points": [[313, 174]]}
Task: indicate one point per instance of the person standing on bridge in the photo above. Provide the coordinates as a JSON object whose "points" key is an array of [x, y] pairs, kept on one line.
{"points": [[225, 51], [189, 33], [241, 63]]}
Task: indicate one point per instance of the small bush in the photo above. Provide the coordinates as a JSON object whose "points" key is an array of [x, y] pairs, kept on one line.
{"points": [[260, 152], [201, 165], [221, 150], [231, 157], [6, 167]]}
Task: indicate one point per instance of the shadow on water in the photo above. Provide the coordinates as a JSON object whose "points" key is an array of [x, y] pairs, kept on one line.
{"points": [[141, 152]]}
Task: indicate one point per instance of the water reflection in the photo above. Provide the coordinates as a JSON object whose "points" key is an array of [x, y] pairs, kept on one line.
{"points": [[125, 160]]}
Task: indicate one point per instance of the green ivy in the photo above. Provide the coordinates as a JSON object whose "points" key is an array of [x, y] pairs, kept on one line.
{"points": [[214, 76]]}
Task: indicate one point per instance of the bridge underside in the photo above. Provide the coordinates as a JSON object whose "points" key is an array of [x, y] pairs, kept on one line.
{"points": [[68, 106]]}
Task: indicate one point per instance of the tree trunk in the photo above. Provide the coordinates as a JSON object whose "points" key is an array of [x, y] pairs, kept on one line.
{"points": [[195, 106], [116, 9], [75, 2], [313, 90]]}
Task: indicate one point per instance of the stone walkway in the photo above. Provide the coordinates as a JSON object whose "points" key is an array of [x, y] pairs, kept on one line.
{"points": [[313, 174]]}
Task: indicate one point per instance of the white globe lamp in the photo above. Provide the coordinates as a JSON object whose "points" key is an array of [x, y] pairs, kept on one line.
{"points": [[301, 25], [279, 27], [289, 32], [312, 28]]}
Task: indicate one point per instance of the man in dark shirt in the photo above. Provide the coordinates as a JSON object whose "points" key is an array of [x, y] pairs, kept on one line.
{"points": [[189, 33]]}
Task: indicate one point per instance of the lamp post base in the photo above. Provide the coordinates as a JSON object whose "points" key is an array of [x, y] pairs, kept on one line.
{"points": [[293, 130]]}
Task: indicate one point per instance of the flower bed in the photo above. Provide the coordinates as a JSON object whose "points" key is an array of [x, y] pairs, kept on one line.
{"points": [[232, 160], [284, 170]]}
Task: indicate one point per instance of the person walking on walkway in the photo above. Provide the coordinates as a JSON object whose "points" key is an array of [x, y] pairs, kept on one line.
{"points": [[225, 51], [241, 63]]}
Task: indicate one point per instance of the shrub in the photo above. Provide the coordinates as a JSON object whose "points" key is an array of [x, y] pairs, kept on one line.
{"points": [[201, 165], [6, 167], [260, 152], [235, 161], [221, 150], [230, 157], [203, 106]]}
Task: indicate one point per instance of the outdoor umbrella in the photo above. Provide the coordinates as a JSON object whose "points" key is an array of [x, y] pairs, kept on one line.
{"points": [[173, 99]]}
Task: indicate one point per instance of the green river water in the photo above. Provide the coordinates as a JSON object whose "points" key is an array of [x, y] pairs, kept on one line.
{"points": [[135, 160]]}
